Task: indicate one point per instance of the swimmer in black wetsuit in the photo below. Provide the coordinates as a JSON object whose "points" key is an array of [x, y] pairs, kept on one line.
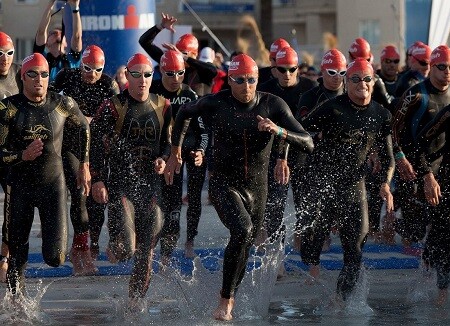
{"points": [[351, 125], [171, 87], [131, 133], [89, 87], [32, 127], [417, 107], [10, 84], [242, 127]]}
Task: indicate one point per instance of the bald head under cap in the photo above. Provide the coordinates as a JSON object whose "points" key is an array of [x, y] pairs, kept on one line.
{"points": [[242, 64], [93, 55], [333, 59], [6, 41], [172, 61], [137, 59], [34, 60], [359, 65], [286, 56]]}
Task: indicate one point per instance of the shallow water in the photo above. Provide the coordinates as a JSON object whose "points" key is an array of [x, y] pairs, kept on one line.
{"points": [[382, 297]]}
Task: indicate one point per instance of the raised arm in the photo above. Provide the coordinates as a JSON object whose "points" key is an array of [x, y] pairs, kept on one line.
{"points": [[76, 43], [42, 30]]}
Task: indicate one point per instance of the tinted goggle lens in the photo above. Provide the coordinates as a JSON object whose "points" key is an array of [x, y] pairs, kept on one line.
{"points": [[283, 70], [357, 79], [241, 80], [174, 73], [34, 74], [137, 74]]}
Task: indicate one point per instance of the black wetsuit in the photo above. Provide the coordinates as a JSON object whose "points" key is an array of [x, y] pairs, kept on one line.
{"points": [[85, 213], [418, 106], [39, 183], [334, 180], [438, 240], [277, 193], [10, 84], [406, 80], [238, 186], [196, 139], [199, 75], [134, 215], [309, 101]]}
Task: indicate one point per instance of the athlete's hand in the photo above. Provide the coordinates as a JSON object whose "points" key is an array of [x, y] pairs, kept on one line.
{"points": [[160, 164], [33, 150], [405, 169], [84, 178], [431, 188], [385, 193], [374, 162], [265, 124], [173, 164], [282, 172], [198, 157], [167, 22], [99, 192]]}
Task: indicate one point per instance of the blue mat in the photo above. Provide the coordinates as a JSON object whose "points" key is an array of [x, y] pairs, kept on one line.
{"points": [[375, 257]]}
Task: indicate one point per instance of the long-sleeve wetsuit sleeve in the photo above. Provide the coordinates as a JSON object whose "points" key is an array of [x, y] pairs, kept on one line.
{"points": [[440, 124], [78, 123], [146, 41]]}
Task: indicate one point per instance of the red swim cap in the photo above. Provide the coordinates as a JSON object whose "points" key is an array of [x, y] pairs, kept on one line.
{"points": [[286, 56], [6, 41], [333, 59], [172, 60], [360, 48], [389, 52], [440, 55], [421, 51], [34, 60], [242, 64], [359, 65], [187, 43], [276, 46], [412, 46], [138, 58], [93, 55]]}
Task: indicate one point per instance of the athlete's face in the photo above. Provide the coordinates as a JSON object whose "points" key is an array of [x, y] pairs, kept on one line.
{"points": [[419, 65], [6, 59], [389, 67], [172, 79], [35, 82], [333, 79], [286, 75], [139, 81], [56, 42], [92, 72], [243, 87], [360, 86], [440, 75]]}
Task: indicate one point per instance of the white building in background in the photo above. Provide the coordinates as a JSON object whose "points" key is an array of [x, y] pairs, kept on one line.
{"points": [[302, 22]]}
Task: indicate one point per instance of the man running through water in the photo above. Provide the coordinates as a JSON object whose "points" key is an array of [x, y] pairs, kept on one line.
{"points": [[32, 125], [131, 133], [243, 122], [351, 125]]}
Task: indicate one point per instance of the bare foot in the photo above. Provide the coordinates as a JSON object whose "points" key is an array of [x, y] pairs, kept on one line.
{"points": [[189, 249], [326, 244], [111, 257], [314, 272], [75, 259], [442, 297], [3, 270], [223, 311], [88, 264], [281, 271]]}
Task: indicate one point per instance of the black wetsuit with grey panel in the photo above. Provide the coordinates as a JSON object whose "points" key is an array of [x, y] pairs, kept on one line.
{"points": [[238, 186]]}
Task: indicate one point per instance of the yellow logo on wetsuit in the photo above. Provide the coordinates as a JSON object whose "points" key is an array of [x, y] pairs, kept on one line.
{"points": [[37, 132]]}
